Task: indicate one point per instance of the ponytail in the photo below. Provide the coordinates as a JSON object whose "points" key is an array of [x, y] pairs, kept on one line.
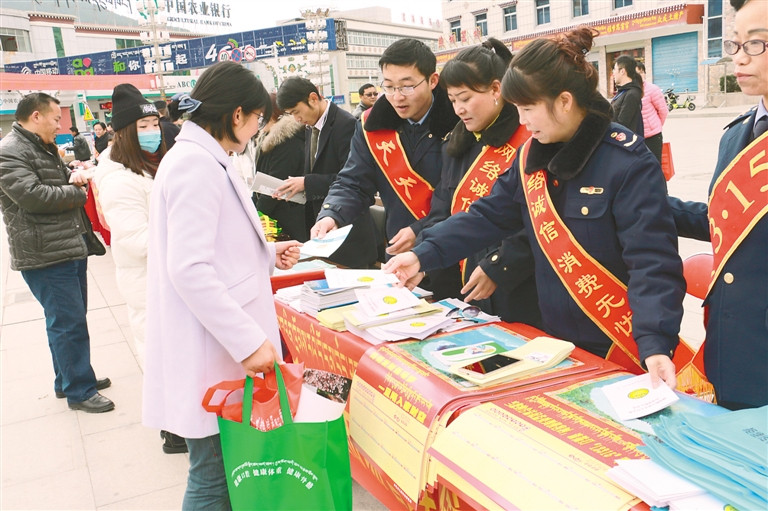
{"points": [[477, 67]]}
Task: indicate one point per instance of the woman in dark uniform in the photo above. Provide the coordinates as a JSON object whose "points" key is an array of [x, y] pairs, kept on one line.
{"points": [[613, 282]]}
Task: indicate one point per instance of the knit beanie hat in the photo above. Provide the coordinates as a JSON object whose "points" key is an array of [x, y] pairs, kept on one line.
{"points": [[128, 105]]}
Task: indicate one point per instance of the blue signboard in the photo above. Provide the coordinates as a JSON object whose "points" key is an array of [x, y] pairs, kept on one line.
{"points": [[188, 54]]}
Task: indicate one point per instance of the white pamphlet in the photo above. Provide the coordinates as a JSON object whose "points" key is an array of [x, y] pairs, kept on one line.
{"points": [[338, 277], [635, 397], [267, 185], [383, 300], [326, 246]]}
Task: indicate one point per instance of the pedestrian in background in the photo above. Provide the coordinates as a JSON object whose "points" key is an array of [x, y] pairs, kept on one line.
{"points": [[367, 94], [280, 153], [50, 239], [169, 129], [80, 146], [396, 151], [736, 347], [627, 104], [592, 200], [498, 278], [210, 309], [328, 133], [101, 139], [654, 113]]}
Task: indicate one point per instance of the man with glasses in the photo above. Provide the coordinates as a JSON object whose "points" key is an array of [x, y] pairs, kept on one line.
{"points": [[735, 221], [395, 150], [368, 97], [328, 132]]}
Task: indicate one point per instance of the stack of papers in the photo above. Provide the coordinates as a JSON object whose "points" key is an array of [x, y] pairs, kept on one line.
{"points": [[338, 277], [726, 454], [317, 295], [655, 485]]}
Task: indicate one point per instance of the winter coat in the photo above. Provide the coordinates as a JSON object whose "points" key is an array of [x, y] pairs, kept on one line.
{"points": [[627, 227], [81, 149], [508, 263], [42, 212], [627, 106], [361, 178], [736, 349], [209, 298], [124, 199], [282, 155], [654, 110]]}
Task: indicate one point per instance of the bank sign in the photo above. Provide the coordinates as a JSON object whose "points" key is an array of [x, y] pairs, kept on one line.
{"points": [[281, 41]]}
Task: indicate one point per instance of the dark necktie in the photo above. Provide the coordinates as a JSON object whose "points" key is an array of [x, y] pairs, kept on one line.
{"points": [[760, 127], [313, 147]]}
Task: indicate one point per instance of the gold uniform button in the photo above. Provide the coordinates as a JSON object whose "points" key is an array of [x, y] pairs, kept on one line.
{"points": [[584, 210], [326, 206], [494, 258], [728, 278]]}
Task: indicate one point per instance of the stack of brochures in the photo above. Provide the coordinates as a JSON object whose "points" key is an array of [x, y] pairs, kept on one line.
{"points": [[317, 295], [392, 314], [726, 454]]}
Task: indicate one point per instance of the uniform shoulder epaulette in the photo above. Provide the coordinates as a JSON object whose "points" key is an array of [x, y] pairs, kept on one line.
{"points": [[620, 136], [741, 118]]}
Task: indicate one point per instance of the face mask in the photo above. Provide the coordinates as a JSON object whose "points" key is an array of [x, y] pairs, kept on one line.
{"points": [[150, 140]]}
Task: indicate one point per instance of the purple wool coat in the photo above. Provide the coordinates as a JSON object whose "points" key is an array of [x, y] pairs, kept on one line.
{"points": [[209, 300]]}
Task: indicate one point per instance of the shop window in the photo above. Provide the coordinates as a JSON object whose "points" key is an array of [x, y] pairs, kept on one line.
{"points": [[12, 39], [510, 18], [542, 12], [580, 8], [481, 22], [456, 30], [59, 41]]}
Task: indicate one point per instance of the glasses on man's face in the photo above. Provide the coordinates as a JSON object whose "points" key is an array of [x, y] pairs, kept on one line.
{"points": [[371, 94], [752, 48], [405, 90], [262, 121]]}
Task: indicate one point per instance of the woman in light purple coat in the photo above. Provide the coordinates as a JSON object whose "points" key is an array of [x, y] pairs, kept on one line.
{"points": [[210, 310]]}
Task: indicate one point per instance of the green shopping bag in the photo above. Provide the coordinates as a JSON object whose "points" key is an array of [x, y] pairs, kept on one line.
{"points": [[297, 466]]}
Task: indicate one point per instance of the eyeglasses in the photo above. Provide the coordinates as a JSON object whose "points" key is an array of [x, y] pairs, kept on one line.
{"points": [[262, 121], [752, 48], [371, 94], [405, 90], [469, 313]]}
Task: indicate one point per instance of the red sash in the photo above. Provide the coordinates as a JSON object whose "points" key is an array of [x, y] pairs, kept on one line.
{"points": [[478, 181], [412, 189], [738, 201], [597, 292]]}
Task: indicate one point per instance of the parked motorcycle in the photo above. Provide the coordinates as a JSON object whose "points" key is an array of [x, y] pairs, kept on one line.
{"points": [[673, 98]]}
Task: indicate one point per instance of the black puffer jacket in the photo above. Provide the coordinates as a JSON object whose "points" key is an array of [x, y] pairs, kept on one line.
{"points": [[43, 213], [627, 107]]}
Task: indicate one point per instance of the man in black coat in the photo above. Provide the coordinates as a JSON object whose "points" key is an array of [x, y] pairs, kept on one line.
{"points": [[169, 129], [329, 130], [50, 239]]}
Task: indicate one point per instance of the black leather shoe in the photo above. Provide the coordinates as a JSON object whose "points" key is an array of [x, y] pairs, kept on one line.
{"points": [[174, 444], [95, 404], [101, 384]]}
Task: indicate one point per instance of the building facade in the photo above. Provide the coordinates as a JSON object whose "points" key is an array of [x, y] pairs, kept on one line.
{"points": [[680, 43]]}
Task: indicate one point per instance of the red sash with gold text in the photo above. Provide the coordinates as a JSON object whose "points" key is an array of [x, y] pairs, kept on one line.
{"points": [[597, 292], [478, 181], [412, 189], [738, 201]]}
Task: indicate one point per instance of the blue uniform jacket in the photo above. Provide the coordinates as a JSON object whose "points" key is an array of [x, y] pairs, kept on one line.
{"points": [[628, 228], [356, 184], [508, 263], [736, 351]]}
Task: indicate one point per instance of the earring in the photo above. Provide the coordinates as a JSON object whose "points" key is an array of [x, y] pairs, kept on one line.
{"points": [[495, 101]]}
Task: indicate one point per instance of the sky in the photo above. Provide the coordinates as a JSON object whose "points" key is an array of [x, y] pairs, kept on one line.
{"points": [[250, 14]]}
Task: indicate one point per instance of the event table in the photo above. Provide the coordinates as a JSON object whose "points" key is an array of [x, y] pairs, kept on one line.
{"points": [[411, 424]]}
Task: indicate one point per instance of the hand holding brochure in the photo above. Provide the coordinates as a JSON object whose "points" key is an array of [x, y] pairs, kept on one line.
{"points": [[267, 185], [326, 246], [635, 397]]}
